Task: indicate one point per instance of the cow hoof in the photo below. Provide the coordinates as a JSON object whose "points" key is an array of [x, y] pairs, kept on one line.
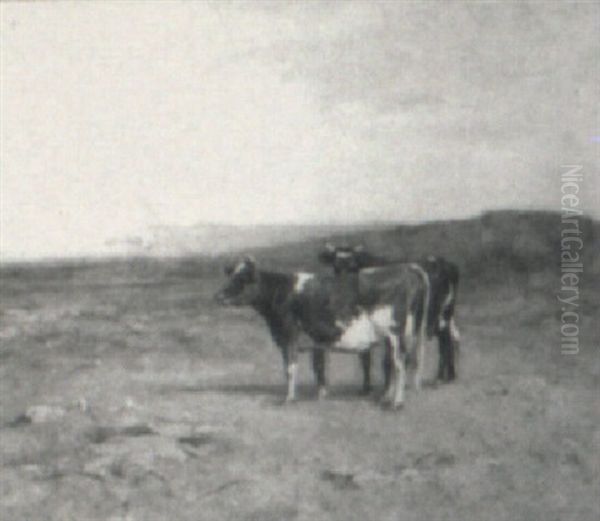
{"points": [[397, 406], [322, 393], [385, 401], [445, 380], [366, 391]]}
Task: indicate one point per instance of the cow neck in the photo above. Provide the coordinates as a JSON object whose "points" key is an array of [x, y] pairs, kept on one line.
{"points": [[270, 285], [347, 278], [345, 294]]}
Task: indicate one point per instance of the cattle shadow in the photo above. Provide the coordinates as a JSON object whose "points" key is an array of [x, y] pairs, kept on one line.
{"points": [[274, 393]]}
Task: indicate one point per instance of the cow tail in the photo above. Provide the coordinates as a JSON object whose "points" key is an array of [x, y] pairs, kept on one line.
{"points": [[454, 336], [426, 298]]}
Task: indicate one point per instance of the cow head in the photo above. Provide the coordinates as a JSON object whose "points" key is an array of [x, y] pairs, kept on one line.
{"points": [[241, 287], [343, 259]]}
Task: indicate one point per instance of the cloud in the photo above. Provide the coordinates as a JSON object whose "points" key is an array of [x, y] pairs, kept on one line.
{"points": [[285, 112]]}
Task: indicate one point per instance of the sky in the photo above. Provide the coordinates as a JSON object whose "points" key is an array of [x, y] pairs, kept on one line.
{"points": [[120, 116]]}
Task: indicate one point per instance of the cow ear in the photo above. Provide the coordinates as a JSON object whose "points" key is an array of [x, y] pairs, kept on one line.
{"points": [[250, 264]]}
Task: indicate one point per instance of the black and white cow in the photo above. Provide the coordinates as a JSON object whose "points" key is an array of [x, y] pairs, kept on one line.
{"points": [[350, 314], [443, 278]]}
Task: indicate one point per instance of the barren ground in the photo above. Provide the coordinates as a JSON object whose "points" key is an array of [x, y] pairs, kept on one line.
{"points": [[133, 397]]}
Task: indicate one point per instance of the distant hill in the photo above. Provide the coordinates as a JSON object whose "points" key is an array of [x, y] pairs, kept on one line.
{"points": [[494, 250], [515, 239], [217, 239], [491, 245], [496, 246]]}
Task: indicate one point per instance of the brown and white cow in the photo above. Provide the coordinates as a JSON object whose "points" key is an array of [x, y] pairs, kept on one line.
{"points": [[443, 278], [383, 305]]}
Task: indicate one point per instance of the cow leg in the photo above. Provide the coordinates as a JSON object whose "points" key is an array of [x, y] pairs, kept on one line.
{"points": [[449, 344], [365, 361], [447, 336], [389, 372], [419, 360], [291, 370], [413, 343], [440, 332], [445, 359], [454, 350], [319, 363], [399, 373], [387, 364]]}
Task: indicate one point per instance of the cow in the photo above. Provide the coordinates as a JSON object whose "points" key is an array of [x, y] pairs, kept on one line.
{"points": [[443, 278], [350, 314]]}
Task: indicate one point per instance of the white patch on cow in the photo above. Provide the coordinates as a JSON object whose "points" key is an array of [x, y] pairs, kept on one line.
{"points": [[383, 319], [358, 335], [238, 269], [454, 330], [449, 298], [301, 280], [399, 380], [344, 254], [292, 371], [370, 270], [409, 327], [447, 302]]}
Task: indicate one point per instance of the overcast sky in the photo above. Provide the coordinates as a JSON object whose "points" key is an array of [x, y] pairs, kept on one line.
{"points": [[119, 116]]}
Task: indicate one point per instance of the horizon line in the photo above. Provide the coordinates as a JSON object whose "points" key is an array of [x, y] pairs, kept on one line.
{"points": [[107, 256]]}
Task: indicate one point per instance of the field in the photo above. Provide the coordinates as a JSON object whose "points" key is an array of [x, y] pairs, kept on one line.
{"points": [[127, 394]]}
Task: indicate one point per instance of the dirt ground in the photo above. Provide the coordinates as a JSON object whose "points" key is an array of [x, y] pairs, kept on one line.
{"points": [[136, 398]]}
